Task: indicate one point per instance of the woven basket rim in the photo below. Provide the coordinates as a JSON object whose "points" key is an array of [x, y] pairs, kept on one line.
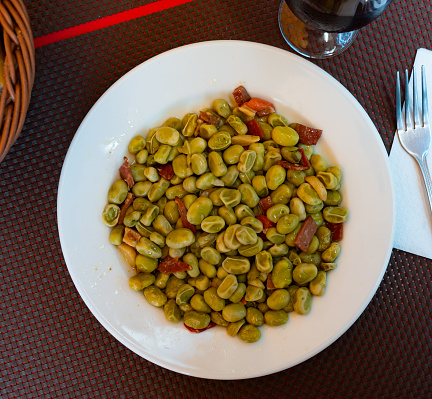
{"points": [[19, 71]]}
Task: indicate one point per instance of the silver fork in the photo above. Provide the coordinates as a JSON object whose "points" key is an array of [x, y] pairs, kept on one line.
{"points": [[413, 126]]}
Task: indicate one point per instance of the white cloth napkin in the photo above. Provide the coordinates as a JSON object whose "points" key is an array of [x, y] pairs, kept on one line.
{"points": [[413, 215]]}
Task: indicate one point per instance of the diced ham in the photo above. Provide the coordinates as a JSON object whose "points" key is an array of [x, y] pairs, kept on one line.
{"points": [[267, 224], [258, 104], [306, 233], [308, 135], [196, 330], [131, 237], [241, 95], [166, 171], [172, 265], [126, 204], [208, 117], [303, 165], [336, 230], [254, 128], [183, 215], [125, 172], [270, 285], [265, 204]]}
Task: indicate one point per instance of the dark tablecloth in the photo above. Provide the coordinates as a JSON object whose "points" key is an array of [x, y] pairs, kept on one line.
{"points": [[51, 345]]}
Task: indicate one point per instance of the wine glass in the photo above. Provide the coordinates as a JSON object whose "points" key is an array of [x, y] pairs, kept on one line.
{"points": [[325, 28]]}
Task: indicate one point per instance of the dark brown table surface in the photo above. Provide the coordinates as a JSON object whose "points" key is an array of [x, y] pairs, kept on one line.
{"points": [[51, 345]]}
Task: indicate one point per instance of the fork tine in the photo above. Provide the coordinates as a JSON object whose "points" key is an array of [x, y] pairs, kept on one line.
{"points": [[400, 121], [408, 118], [425, 113], [416, 111]]}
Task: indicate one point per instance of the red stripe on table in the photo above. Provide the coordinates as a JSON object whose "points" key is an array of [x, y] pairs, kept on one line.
{"points": [[108, 21]]}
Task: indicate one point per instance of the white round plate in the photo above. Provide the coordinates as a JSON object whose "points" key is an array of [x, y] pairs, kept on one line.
{"points": [[186, 79]]}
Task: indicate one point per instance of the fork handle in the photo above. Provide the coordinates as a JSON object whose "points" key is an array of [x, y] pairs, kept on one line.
{"points": [[426, 177]]}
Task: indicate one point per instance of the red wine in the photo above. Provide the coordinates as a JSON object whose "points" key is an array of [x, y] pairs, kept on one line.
{"points": [[337, 15]]}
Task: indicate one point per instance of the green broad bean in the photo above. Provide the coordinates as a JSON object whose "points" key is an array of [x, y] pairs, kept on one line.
{"points": [[234, 328], [228, 286], [304, 273], [247, 177], [318, 217], [176, 191], [189, 123], [197, 320], [276, 317], [189, 185], [206, 239], [141, 281], [275, 119], [137, 172], [162, 280], [239, 293], [213, 300], [221, 107], [275, 212], [155, 296], [198, 304], [274, 236], [136, 144], [231, 176], [327, 266], [180, 238], [145, 264], [141, 188], [216, 164], [290, 237], [278, 299], [149, 215], [297, 207], [275, 176], [148, 248], [282, 194], [219, 141], [319, 284], [259, 184], [246, 161], [228, 215], [172, 311], [314, 258], [173, 122], [302, 303], [278, 250], [141, 204], [251, 249], [116, 235], [331, 253], [167, 135], [246, 235], [207, 269], [329, 180], [162, 154], [308, 195], [162, 225], [264, 262], [335, 214], [199, 210], [249, 196], [237, 124], [236, 264], [285, 136], [282, 273], [234, 312], [334, 198], [184, 293], [158, 189], [142, 156], [318, 163], [230, 197], [111, 214], [189, 199], [118, 192], [252, 222], [181, 166], [211, 255], [151, 174], [249, 333], [254, 316], [287, 223], [199, 164], [207, 130], [230, 238], [232, 154]]}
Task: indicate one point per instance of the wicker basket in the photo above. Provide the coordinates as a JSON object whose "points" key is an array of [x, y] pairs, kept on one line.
{"points": [[19, 71]]}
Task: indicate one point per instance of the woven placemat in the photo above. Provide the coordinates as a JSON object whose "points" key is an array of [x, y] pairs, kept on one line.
{"points": [[52, 346]]}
